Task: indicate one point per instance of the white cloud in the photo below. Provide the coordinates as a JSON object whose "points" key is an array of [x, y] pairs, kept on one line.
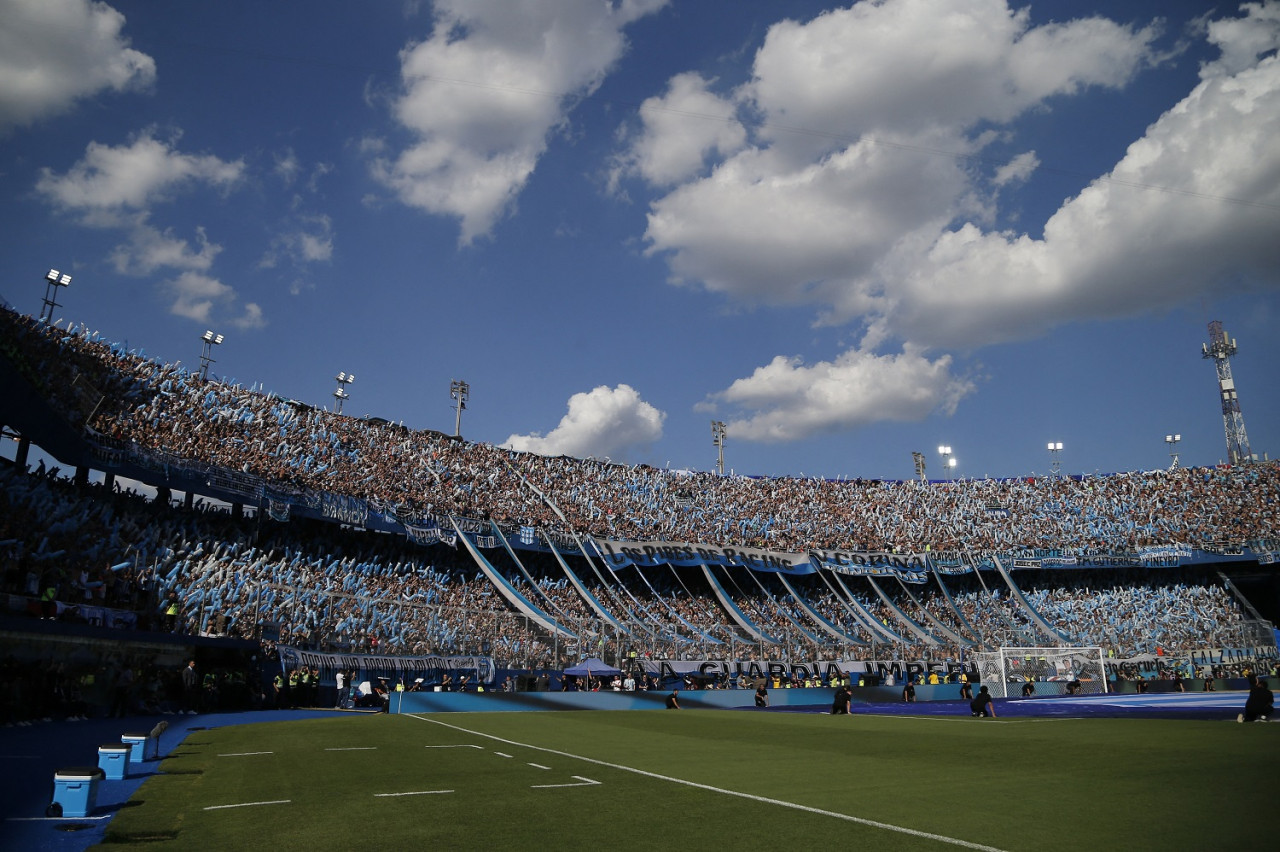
{"points": [[789, 400], [310, 240], [205, 299], [482, 94], [149, 249], [866, 115], [1126, 245], [605, 422], [1016, 170], [857, 194], [908, 66], [133, 176], [680, 130], [195, 294], [55, 52]]}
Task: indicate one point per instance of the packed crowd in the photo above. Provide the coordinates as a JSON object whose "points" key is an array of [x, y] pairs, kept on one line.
{"points": [[151, 408], [70, 550], [76, 549]]}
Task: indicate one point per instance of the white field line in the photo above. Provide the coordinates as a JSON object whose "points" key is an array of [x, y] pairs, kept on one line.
{"points": [[455, 746], [585, 782], [539, 766], [248, 805], [500, 754], [941, 838], [56, 819], [354, 748], [246, 753], [414, 793]]}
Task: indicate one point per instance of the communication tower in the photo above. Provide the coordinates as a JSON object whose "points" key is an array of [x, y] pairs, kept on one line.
{"points": [[1220, 348]]}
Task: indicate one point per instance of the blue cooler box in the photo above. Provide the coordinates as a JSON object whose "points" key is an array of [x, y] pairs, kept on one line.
{"points": [[145, 746], [76, 790], [113, 760]]}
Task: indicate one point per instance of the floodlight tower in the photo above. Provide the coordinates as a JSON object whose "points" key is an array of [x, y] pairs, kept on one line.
{"points": [[918, 460], [948, 460], [717, 440], [1172, 441], [341, 394], [206, 355], [1220, 348], [1055, 459], [459, 391], [54, 279]]}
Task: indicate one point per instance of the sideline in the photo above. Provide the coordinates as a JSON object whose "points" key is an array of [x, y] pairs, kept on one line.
{"points": [[941, 838]]}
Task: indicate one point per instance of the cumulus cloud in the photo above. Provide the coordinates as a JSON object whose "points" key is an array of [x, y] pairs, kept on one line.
{"points": [[604, 422], [197, 296], [787, 400], [133, 176], [680, 130], [117, 187], [1192, 208], [864, 191], [149, 249], [854, 108], [56, 52], [481, 95]]}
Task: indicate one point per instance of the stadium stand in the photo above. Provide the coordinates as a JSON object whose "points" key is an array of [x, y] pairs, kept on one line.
{"points": [[498, 555]]}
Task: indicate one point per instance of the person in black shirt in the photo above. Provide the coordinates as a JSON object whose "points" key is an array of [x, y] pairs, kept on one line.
{"points": [[1260, 703], [673, 701], [983, 706], [840, 704], [762, 695]]}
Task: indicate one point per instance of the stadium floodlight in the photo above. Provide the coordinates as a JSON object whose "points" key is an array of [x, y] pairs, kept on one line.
{"points": [[1055, 460], [948, 462], [53, 280], [1172, 441], [717, 440], [459, 391], [341, 394], [210, 340]]}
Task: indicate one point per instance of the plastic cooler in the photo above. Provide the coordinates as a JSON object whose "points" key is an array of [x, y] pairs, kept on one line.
{"points": [[144, 746], [113, 760], [76, 790]]}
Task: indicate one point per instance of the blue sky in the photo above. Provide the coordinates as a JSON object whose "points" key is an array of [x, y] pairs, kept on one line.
{"points": [[848, 231]]}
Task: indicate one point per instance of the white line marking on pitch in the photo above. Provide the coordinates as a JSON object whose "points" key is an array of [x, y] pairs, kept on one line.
{"points": [[246, 753], [248, 804], [354, 748], [454, 746], [56, 819], [500, 754], [539, 766], [586, 782], [414, 793], [941, 838]]}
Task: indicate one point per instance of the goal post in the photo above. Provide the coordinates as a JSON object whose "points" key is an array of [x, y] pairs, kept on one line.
{"points": [[1051, 671]]}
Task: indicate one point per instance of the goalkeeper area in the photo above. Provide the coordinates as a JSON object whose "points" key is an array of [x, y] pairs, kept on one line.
{"points": [[1052, 671], [691, 778]]}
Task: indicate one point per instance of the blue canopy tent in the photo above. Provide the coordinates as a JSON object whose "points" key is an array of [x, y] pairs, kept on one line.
{"points": [[591, 666]]}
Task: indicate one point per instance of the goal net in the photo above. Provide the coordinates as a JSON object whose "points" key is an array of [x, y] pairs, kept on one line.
{"points": [[1050, 671]]}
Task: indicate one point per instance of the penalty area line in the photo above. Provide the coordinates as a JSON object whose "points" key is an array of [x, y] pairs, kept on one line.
{"points": [[900, 829], [413, 793]]}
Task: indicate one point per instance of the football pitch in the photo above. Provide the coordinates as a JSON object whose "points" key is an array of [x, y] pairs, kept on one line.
{"points": [[709, 779]]}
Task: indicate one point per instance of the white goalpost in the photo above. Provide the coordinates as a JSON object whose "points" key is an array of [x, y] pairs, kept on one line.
{"points": [[1050, 671]]}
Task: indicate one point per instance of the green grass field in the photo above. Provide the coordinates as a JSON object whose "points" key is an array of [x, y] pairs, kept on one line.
{"points": [[709, 779]]}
